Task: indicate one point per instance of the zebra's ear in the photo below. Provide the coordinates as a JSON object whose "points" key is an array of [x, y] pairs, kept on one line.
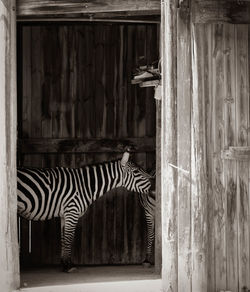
{"points": [[125, 158]]}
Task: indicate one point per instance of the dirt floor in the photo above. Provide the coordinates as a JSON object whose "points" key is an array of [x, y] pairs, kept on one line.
{"points": [[49, 276]]}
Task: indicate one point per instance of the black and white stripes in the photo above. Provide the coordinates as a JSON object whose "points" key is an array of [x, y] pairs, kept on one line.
{"points": [[148, 203], [67, 193]]}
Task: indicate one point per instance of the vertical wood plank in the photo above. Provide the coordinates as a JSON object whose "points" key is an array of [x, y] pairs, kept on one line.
{"points": [[158, 223], [168, 147], [158, 202], [26, 73], [184, 151], [198, 166], [218, 80], [47, 64], [230, 175], [210, 161], [36, 76], [9, 261], [103, 82], [242, 119], [122, 100], [148, 93]]}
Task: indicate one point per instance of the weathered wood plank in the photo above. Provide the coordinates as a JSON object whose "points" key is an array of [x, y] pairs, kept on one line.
{"points": [[169, 147], [155, 129], [198, 168], [209, 126], [66, 99], [242, 120], [47, 64], [123, 17], [121, 104], [36, 77], [232, 11], [102, 45], [26, 73], [158, 228], [9, 259], [218, 81], [46, 7], [140, 41], [85, 145], [237, 153], [230, 175], [184, 151]]}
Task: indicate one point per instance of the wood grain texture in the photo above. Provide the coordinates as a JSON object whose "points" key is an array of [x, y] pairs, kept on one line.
{"points": [[209, 132], [169, 147], [218, 81], [223, 58], [85, 110], [184, 151], [31, 7], [198, 165], [9, 261], [230, 172], [236, 153], [158, 229], [210, 11], [242, 122]]}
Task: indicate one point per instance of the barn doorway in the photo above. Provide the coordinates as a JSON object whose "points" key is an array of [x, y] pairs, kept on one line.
{"points": [[74, 89]]}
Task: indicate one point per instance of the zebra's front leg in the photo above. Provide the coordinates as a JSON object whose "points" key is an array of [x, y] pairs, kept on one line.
{"points": [[150, 239], [70, 222]]}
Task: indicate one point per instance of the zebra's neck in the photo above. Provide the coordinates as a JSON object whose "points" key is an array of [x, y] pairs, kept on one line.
{"points": [[101, 178]]}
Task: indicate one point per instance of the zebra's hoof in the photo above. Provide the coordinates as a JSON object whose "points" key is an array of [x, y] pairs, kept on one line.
{"points": [[71, 270], [146, 264], [68, 267]]}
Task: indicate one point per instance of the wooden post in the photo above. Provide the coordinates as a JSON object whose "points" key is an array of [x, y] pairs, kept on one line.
{"points": [[184, 102], [168, 147], [9, 257], [199, 171]]}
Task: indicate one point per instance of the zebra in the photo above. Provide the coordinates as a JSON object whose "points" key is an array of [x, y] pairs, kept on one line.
{"points": [[45, 193]]}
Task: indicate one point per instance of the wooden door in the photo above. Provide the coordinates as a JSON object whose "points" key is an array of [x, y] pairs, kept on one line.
{"points": [[223, 53]]}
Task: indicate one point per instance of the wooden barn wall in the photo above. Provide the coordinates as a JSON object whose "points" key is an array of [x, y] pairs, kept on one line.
{"points": [[75, 82], [222, 52], [213, 205]]}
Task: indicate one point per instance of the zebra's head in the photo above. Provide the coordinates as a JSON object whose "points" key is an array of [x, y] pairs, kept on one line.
{"points": [[134, 179]]}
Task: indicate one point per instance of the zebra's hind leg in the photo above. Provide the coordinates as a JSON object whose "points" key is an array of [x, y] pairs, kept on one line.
{"points": [[62, 221], [70, 222]]}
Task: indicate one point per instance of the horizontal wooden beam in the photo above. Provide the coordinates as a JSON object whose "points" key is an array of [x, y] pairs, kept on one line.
{"points": [[44, 145], [220, 11], [91, 19], [49, 7], [237, 153]]}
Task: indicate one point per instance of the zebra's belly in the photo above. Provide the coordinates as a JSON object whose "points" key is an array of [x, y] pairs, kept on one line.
{"points": [[27, 215]]}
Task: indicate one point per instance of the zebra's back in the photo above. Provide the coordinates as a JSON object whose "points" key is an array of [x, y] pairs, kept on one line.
{"points": [[44, 193]]}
